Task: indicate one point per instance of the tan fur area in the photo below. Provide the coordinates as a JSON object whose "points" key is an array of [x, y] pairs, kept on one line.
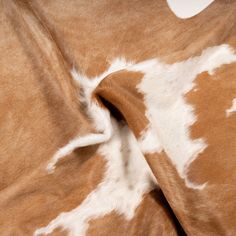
{"points": [[91, 33], [44, 196], [216, 164], [198, 216], [215, 126], [59, 232], [120, 88], [40, 112]]}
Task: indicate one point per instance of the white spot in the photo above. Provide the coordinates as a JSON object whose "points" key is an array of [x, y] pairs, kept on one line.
{"points": [[171, 117], [126, 179], [100, 116], [164, 87], [83, 141], [232, 108], [188, 8], [149, 141]]}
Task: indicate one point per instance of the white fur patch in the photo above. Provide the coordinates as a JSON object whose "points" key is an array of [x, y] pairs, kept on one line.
{"points": [[170, 116], [188, 8], [232, 108], [126, 179], [164, 87], [99, 115], [84, 141], [149, 141]]}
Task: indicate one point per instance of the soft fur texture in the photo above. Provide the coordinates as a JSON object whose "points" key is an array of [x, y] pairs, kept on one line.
{"points": [[126, 179], [150, 100]]}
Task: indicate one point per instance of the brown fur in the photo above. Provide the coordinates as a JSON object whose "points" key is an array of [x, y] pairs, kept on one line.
{"points": [[40, 41]]}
